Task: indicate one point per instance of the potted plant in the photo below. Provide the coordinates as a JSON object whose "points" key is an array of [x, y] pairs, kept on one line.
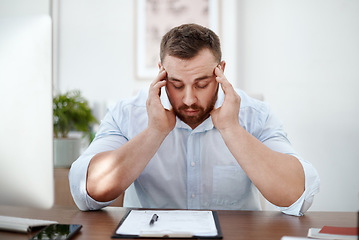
{"points": [[71, 112]]}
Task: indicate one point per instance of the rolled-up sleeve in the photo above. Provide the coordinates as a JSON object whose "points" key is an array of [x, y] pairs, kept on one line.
{"points": [[312, 183], [108, 137], [274, 137]]}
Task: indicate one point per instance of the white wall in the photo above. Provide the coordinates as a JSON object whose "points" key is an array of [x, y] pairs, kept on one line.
{"points": [[24, 7], [96, 49], [304, 57]]}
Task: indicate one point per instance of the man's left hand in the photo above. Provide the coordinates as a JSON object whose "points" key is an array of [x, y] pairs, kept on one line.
{"points": [[227, 116]]}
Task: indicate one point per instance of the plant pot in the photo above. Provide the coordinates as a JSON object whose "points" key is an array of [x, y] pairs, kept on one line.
{"points": [[66, 151]]}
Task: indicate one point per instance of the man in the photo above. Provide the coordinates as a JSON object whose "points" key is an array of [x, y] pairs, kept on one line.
{"points": [[192, 141]]}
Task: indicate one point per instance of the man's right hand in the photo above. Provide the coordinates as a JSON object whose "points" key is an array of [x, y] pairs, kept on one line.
{"points": [[159, 118]]}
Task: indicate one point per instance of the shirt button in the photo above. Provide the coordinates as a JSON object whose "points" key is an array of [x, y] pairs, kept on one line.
{"points": [[193, 195], [193, 164]]}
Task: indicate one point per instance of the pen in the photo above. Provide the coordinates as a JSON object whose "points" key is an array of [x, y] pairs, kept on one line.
{"points": [[153, 219]]}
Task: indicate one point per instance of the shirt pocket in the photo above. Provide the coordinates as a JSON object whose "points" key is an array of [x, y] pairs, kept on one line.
{"points": [[230, 187]]}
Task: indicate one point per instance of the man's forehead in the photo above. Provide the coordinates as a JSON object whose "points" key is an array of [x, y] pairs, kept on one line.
{"points": [[175, 72]]}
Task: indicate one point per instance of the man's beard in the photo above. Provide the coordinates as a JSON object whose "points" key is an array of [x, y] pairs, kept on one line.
{"points": [[201, 116]]}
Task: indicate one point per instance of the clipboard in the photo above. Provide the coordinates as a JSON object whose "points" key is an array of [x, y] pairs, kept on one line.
{"points": [[135, 224]]}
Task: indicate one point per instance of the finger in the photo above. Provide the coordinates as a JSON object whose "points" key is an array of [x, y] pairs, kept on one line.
{"points": [[221, 78], [155, 89], [161, 76], [160, 81], [218, 71]]}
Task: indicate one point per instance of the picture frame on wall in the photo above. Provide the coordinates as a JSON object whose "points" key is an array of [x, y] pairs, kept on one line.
{"points": [[156, 17]]}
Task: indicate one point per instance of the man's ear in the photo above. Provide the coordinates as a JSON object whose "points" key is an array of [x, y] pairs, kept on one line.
{"points": [[223, 65], [159, 65]]}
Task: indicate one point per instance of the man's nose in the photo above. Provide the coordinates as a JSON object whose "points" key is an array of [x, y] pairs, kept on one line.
{"points": [[189, 97]]}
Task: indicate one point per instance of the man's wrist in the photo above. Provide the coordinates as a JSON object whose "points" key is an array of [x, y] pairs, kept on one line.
{"points": [[156, 133], [231, 131]]}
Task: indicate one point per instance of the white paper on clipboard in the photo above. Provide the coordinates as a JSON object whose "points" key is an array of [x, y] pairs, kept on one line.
{"points": [[182, 223]]}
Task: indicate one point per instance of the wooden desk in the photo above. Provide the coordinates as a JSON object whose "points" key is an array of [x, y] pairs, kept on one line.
{"points": [[234, 224]]}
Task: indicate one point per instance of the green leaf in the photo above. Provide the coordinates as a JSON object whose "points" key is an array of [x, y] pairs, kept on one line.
{"points": [[72, 112]]}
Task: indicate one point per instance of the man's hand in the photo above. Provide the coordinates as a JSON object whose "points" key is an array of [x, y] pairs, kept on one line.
{"points": [[159, 118], [226, 117]]}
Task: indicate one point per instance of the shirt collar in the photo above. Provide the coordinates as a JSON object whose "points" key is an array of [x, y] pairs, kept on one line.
{"points": [[206, 125]]}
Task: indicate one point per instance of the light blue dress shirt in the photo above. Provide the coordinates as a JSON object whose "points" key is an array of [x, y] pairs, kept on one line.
{"points": [[192, 169]]}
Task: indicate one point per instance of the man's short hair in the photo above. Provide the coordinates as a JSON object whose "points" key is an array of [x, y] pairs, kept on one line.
{"points": [[187, 40]]}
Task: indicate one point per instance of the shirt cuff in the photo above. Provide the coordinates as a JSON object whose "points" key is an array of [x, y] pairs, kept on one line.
{"points": [[78, 181], [312, 183], [92, 204]]}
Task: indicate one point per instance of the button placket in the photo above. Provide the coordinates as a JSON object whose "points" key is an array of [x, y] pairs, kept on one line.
{"points": [[193, 173]]}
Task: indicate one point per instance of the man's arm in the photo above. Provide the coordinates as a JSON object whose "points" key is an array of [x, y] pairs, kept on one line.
{"points": [[112, 172], [279, 177]]}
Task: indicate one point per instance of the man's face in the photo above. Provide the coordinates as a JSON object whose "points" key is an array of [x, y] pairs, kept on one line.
{"points": [[191, 86]]}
